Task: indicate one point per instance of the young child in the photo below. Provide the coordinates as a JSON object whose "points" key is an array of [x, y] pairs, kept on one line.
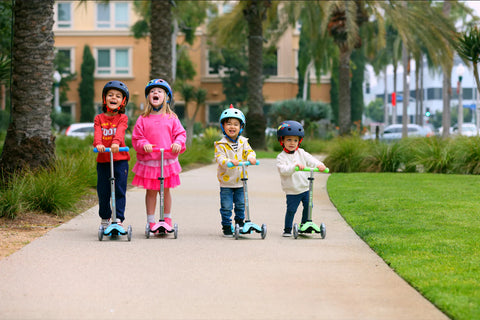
{"points": [[158, 127], [232, 148], [109, 132], [295, 184]]}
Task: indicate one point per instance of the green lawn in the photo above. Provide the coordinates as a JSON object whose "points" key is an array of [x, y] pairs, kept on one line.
{"points": [[425, 226]]}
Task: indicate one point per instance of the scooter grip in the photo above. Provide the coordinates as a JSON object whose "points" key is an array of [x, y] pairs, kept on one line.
{"points": [[312, 169], [122, 149], [247, 163]]}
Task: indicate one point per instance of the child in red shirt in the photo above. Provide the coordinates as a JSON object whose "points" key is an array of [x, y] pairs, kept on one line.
{"points": [[109, 132]]}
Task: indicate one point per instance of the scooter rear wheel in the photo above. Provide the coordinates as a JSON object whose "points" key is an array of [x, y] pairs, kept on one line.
{"points": [[264, 231], [323, 231], [129, 233], [237, 231], [295, 231], [147, 231], [175, 231]]}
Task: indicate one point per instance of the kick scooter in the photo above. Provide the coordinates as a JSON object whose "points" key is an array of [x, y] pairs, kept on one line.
{"points": [[114, 229], [161, 227], [248, 227], [309, 226]]}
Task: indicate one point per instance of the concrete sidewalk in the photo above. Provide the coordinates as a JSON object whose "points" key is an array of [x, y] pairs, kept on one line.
{"points": [[69, 274]]}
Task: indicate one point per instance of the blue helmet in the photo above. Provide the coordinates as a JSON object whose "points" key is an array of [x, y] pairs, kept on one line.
{"points": [[290, 128], [160, 83], [233, 113], [117, 85]]}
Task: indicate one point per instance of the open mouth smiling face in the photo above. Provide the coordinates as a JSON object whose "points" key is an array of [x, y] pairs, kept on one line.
{"points": [[156, 96]]}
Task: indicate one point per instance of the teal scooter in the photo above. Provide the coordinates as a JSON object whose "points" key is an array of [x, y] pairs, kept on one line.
{"points": [[310, 227], [248, 227], [113, 230]]}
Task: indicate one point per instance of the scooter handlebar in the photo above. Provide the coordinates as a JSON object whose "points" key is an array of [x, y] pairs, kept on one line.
{"points": [[247, 163], [122, 149], [312, 169], [157, 149]]}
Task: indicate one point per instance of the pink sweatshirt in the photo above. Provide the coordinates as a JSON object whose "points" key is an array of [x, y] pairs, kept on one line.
{"points": [[161, 130]]}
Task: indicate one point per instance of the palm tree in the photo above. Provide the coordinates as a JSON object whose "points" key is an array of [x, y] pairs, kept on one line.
{"points": [[161, 41], [468, 48], [29, 140]]}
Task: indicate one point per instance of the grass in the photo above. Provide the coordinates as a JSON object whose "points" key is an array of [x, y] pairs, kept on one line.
{"points": [[424, 226]]}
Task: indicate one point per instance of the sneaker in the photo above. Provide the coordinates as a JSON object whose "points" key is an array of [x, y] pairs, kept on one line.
{"points": [[105, 223], [119, 222], [227, 232], [168, 221], [287, 234], [151, 224], [240, 223]]}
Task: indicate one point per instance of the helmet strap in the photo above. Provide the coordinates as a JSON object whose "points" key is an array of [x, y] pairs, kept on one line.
{"points": [[288, 151], [157, 109]]}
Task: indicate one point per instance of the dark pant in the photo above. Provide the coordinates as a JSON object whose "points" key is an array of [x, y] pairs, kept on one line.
{"points": [[228, 197], [293, 201], [120, 171]]}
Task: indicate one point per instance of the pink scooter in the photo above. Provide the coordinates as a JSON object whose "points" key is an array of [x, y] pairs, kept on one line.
{"points": [[161, 227]]}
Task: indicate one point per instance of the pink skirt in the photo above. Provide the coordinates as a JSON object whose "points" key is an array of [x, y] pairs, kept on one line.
{"points": [[148, 172]]}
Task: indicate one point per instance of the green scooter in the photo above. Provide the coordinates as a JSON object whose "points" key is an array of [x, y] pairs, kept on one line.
{"points": [[310, 227]]}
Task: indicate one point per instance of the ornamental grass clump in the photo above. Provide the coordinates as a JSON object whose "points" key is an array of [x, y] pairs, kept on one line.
{"points": [[467, 155], [347, 155]]}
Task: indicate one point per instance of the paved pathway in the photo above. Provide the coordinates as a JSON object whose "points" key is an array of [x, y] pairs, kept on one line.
{"points": [[69, 274]]}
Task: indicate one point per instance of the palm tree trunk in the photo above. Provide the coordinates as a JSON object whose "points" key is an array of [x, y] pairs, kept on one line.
{"points": [[256, 122], [447, 86], [161, 41], [406, 91], [344, 107], [29, 140]]}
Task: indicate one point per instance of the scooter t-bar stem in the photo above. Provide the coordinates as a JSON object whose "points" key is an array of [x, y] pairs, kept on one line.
{"points": [[122, 149], [247, 163], [312, 169]]}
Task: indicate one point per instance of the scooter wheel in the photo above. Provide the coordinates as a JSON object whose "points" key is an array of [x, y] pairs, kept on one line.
{"points": [[295, 231], [323, 231], [237, 231], [264, 231], [100, 233], [147, 231], [175, 231], [129, 233]]}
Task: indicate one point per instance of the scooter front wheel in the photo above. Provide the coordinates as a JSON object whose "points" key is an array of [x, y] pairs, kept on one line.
{"points": [[100, 233], [264, 231]]}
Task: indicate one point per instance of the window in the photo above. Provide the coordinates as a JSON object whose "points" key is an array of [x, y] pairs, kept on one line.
{"points": [[63, 17], [180, 111], [214, 112], [270, 59], [434, 94], [113, 15], [64, 61], [113, 61]]}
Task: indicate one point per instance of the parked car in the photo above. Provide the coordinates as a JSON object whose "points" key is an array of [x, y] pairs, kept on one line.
{"points": [[80, 130], [468, 129], [394, 132]]}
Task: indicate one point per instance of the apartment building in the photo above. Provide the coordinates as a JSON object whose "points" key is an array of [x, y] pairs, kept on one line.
{"points": [[105, 28]]}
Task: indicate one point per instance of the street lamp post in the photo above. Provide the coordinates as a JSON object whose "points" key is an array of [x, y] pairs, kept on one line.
{"points": [[460, 71], [56, 102]]}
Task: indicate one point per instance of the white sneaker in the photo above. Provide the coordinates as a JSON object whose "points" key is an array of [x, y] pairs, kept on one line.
{"points": [[287, 234], [119, 222]]}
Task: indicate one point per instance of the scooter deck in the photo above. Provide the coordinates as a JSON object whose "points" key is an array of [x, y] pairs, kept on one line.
{"points": [[162, 227], [309, 227], [114, 230]]}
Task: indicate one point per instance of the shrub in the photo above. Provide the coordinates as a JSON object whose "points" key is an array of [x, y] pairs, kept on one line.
{"points": [[11, 196], [467, 155], [384, 157], [347, 154]]}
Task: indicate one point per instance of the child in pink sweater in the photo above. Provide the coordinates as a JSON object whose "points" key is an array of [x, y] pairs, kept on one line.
{"points": [[158, 127]]}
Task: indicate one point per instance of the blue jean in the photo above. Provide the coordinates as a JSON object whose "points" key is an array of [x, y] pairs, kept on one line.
{"points": [[229, 197], [293, 201], [120, 171]]}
